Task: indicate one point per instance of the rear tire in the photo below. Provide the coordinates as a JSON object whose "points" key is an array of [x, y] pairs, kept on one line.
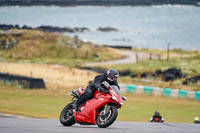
{"points": [[66, 116], [104, 121]]}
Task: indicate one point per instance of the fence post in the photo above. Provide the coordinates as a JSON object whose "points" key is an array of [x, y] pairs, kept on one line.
{"points": [[150, 56], [136, 56], [168, 51]]}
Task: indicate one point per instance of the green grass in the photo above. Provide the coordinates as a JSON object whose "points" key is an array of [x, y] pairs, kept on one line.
{"points": [[26, 103], [43, 104], [142, 107]]}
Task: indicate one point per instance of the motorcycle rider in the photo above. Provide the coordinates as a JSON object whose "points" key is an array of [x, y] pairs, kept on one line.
{"points": [[157, 117], [110, 77], [196, 120]]}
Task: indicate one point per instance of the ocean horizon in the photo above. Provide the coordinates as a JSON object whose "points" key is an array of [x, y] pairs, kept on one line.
{"points": [[140, 26]]}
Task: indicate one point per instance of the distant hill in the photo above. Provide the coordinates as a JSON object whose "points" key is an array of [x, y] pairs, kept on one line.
{"points": [[44, 47], [97, 2]]}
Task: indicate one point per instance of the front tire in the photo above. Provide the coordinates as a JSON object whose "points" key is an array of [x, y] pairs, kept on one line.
{"points": [[66, 116], [106, 120]]}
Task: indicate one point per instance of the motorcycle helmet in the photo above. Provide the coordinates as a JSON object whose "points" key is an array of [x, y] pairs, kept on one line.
{"points": [[196, 118], [112, 75], [157, 113]]}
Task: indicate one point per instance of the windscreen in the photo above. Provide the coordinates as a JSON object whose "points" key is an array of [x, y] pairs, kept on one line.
{"points": [[115, 89]]}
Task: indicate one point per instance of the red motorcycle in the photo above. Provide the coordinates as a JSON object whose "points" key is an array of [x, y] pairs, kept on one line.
{"points": [[100, 110]]}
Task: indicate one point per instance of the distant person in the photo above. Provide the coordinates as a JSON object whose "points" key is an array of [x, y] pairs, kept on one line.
{"points": [[156, 117], [196, 120]]}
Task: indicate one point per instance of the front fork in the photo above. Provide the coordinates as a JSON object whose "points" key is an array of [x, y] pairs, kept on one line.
{"points": [[106, 109]]}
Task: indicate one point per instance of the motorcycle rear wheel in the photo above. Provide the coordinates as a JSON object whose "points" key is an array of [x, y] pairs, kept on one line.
{"points": [[104, 121], [66, 116]]}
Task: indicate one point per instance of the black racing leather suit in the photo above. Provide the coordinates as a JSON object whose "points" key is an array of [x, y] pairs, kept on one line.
{"points": [[156, 118], [93, 86]]}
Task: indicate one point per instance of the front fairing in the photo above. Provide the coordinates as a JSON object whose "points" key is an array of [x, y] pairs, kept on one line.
{"points": [[115, 89], [116, 98], [88, 114], [113, 97]]}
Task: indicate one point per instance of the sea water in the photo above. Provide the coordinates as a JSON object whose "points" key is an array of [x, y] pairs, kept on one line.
{"points": [[140, 26]]}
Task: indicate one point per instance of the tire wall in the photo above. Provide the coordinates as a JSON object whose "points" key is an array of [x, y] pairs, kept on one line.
{"points": [[22, 81]]}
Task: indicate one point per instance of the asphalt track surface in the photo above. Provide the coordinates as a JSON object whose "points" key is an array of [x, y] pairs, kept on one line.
{"points": [[14, 124]]}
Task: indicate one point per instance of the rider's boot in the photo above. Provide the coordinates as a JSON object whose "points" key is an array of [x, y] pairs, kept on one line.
{"points": [[82, 99], [75, 105]]}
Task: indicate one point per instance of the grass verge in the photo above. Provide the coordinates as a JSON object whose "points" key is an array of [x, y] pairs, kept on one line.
{"points": [[44, 104], [34, 46], [142, 107]]}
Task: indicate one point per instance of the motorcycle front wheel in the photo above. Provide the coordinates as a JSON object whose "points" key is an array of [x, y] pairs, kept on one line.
{"points": [[66, 116], [105, 120]]}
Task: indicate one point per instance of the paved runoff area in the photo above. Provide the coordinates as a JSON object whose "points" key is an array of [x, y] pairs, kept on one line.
{"points": [[16, 124]]}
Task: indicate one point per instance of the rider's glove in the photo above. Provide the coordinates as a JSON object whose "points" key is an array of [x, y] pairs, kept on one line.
{"points": [[101, 89], [106, 84], [107, 91]]}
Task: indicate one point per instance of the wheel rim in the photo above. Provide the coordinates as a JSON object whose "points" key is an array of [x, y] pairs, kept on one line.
{"points": [[67, 115], [103, 118]]}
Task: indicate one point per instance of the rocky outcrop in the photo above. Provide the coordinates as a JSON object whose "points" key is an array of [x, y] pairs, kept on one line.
{"points": [[107, 29], [45, 28], [8, 27], [58, 29], [119, 46]]}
